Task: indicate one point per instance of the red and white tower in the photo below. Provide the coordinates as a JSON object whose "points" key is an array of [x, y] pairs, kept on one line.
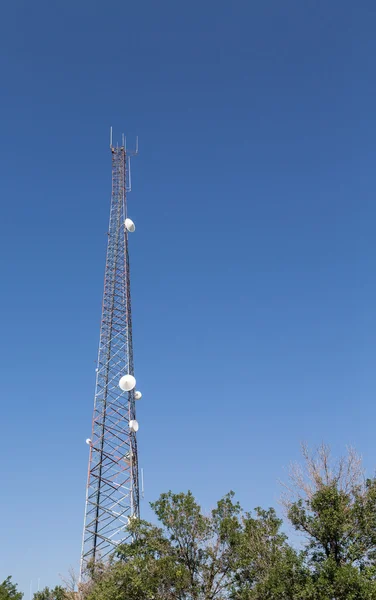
{"points": [[112, 496]]}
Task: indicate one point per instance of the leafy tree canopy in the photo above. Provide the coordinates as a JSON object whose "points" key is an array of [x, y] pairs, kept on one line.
{"points": [[56, 593], [229, 554], [8, 590]]}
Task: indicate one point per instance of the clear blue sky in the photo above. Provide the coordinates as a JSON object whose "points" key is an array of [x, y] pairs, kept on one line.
{"points": [[253, 264]]}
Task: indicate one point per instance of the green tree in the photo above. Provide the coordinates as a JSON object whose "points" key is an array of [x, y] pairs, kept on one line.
{"points": [[335, 507], [231, 555], [269, 568], [8, 590], [190, 555], [206, 546], [56, 593], [193, 556]]}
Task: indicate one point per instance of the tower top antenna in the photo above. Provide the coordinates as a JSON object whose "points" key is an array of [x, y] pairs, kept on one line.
{"points": [[123, 144]]}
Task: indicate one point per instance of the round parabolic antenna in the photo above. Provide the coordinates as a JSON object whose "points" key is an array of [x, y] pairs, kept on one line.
{"points": [[88, 441], [129, 225], [133, 425], [127, 383], [137, 395]]}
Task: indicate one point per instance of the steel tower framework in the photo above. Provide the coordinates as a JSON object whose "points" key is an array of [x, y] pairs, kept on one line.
{"points": [[112, 495]]}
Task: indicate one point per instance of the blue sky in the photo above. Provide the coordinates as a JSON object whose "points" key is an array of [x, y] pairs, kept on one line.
{"points": [[253, 264]]}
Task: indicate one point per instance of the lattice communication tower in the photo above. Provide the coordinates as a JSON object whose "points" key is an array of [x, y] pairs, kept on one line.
{"points": [[112, 496]]}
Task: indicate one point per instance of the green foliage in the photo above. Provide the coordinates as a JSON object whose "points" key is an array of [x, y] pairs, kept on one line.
{"points": [[229, 554], [336, 510], [339, 525], [56, 593], [344, 582], [190, 556], [269, 567], [8, 590], [205, 546]]}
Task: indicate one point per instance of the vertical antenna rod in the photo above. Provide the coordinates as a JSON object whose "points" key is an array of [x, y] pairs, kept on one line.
{"points": [[112, 495]]}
